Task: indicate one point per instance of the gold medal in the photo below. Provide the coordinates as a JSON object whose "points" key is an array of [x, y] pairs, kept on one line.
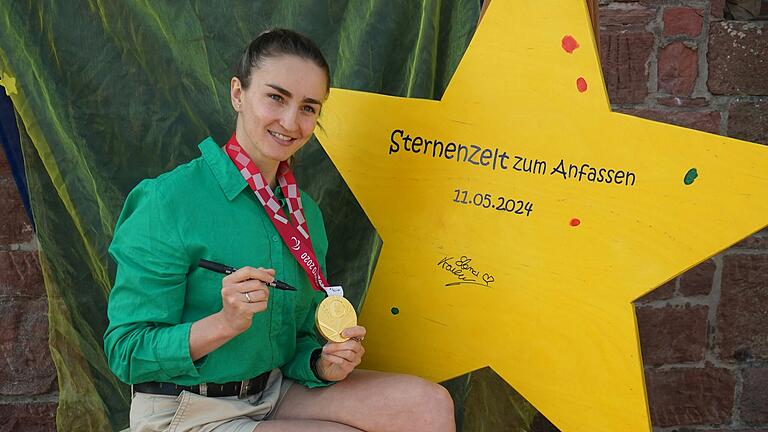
{"points": [[334, 314]]}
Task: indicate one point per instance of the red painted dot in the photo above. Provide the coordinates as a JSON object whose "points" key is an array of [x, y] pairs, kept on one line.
{"points": [[575, 222], [569, 44], [581, 84]]}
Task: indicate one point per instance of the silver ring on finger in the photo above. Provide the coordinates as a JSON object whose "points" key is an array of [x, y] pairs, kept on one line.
{"points": [[249, 300]]}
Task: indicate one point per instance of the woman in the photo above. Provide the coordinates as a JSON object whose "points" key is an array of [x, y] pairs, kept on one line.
{"points": [[232, 354]]}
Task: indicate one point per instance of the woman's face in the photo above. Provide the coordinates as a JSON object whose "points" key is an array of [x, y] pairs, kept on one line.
{"points": [[278, 111]]}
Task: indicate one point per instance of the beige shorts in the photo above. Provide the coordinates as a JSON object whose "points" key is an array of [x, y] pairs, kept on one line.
{"points": [[192, 412]]}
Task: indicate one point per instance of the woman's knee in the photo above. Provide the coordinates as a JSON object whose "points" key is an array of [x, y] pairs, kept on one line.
{"points": [[437, 396], [433, 404]]}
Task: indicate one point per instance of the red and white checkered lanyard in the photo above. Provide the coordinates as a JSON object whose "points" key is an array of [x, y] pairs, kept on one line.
{"points": [[295, 235]]}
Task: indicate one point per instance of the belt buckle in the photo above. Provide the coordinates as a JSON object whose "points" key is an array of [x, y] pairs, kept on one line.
{"points": [[244, 387], [203, 389]]}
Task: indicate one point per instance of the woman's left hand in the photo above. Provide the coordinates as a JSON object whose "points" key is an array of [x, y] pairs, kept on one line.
{"points": [[338, 359]]}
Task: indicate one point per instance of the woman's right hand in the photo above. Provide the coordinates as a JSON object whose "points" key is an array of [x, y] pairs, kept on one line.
{"points": [[239, 308]]}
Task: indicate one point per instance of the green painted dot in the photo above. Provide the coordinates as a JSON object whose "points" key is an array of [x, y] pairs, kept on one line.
{"points": [[690, 176], [395, 311]]}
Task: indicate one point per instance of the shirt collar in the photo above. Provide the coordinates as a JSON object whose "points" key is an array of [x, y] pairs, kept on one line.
{"points": [[224, 170]]}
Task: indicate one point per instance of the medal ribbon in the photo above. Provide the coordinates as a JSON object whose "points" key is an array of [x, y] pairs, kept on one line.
{"points": [[295, 235]]}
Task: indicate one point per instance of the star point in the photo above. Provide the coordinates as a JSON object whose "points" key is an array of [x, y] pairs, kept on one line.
{"points": [[520, 218]]}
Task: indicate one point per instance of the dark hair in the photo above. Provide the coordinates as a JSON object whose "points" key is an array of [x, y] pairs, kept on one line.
{"points": [[277, 42]]}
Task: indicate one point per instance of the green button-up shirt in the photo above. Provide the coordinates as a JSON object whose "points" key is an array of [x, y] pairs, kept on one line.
{"points": [[205, 209]]}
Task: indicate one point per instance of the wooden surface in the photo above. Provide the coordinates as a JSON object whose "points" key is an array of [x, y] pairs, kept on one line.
{"points": [[550, 306]]}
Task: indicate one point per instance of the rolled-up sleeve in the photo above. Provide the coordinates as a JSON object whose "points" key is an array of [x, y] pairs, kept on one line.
{"points": [[145, 340]]}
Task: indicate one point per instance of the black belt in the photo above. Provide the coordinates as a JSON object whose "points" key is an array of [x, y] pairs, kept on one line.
{"points": [[234, 388]]}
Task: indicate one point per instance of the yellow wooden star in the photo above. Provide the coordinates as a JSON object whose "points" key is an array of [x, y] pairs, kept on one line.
{"points": [[537, 278], [9, 83]]}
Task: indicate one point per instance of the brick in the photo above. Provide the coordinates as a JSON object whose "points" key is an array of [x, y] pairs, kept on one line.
{"points": [[28, 417], [664, 292], [742, 309], [717, 9], [27, 367], [682, 21], [756, 242], [731, 430], [672, 334], [683, 102], [754, 397], [14, 224], [678, 69], [634, 18], [624, 59], [20, 274], [738, 51], [748, 120], [643, 2], [698, 280], [706, 121], [625, 48], [684, 397]]}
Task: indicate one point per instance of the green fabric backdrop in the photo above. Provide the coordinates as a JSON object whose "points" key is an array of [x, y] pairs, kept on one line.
{"points": [[111, 92]]}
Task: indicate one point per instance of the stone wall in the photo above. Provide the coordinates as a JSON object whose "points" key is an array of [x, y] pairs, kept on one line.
{"points": [[704, 335], [28, 391]]}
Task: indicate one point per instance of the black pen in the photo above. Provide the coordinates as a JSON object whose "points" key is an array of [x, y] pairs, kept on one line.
{"points": [[225, 269]]}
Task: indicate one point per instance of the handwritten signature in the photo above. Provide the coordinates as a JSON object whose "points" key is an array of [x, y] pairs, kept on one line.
{"points": [[465, 272]]}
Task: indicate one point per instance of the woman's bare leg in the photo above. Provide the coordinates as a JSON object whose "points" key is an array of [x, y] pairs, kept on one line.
{"points": [[374, 402], [302, 426]]}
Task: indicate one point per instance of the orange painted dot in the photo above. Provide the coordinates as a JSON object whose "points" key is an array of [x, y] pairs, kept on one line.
{"points": [[575, 222], [581, 84], [569, 44]]}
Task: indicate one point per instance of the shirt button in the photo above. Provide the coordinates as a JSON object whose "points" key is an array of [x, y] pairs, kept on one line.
{"points": [[274, 238]]}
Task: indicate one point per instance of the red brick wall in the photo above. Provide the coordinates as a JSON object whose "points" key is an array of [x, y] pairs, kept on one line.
{"points": [[704, 335], [28, 391]]}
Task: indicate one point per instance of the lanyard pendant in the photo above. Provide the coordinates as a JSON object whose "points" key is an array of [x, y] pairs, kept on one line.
{"points": [[334, 314]]}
